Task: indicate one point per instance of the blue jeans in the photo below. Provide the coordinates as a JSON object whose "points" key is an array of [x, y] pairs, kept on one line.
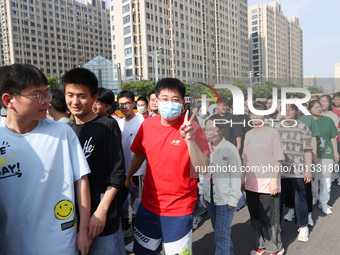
{"points": [[109, 245], [221, 218], [297, 187]]}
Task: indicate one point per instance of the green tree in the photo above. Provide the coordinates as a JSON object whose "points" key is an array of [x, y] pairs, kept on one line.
{"points": [[315, 90], [140, 88], [53, 82]]}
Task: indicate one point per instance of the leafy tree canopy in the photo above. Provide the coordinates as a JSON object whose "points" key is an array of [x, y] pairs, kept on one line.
{"points": [[53, 82]]}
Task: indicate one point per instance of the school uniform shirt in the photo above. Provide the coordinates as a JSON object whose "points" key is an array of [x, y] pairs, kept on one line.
{"points": [[226, 175], [101, 143], [170, 185]]}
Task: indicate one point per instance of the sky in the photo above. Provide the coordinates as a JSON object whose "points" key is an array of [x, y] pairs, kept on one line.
{"points": [[320, 22]]}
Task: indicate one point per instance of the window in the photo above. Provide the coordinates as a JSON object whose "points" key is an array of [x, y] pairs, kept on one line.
{"points": [[128, 72], [128, 51], [126, 8], [127, 30], [126, 19], [254, 17], [128, 62], [127, 40]]}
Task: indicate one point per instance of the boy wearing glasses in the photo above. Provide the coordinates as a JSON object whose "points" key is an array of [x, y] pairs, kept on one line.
{"points": [[171, 143], [100, 138], [129, 126], [43, 172]]}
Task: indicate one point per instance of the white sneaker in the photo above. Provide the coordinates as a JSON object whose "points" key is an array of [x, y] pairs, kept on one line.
{"points": [[326, 209], [129, 247], [290, 215], [310, 220], [196, 221], [315, 200], [128, 233], [303, 234]]}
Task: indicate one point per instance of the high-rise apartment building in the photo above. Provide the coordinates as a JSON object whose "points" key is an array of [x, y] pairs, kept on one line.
{"points": [[54, 35], [193, 40], [275, 41], [1, 49]]}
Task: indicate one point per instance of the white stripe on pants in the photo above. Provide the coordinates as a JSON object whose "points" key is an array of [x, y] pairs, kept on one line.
{"points": [[322, 173]]}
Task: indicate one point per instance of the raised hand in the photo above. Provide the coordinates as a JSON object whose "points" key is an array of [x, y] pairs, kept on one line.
{"points": [[187, 130]]}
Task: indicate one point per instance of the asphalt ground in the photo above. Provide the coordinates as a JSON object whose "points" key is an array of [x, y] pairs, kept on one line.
{"points": [[324, 237]]}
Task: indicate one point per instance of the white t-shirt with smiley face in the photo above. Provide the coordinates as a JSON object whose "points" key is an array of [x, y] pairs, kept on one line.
{"points": [[37, 201]]}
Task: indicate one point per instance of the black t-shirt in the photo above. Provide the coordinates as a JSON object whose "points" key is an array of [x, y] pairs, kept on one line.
{"points": [[244, 118], [230, 132], [101, 143]]}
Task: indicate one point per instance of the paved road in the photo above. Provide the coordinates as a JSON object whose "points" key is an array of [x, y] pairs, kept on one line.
{"points": [[324, 236]]}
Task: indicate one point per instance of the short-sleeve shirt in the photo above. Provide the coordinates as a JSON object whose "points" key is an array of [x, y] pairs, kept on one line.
{"points": [[262, 150], [129, 130], [101, 142], [327, 130], [37, 200], [169, 189], [296, 138], [311, 124]]}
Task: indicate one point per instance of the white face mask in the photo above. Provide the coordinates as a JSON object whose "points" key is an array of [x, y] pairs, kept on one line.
{"points": [[212, 136], [141, 109]]}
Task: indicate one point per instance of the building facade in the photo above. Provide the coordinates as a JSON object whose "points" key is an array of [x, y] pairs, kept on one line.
{"points": [[275, 41], [1, 49], [310, 81], [193, 40], [54, 35]]}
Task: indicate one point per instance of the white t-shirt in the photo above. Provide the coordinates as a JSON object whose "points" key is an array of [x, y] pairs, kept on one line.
{"points": [[37, 200], [129, 130]]}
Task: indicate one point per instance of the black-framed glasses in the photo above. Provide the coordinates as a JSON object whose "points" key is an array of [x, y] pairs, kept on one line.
{"points": [[128, 103], [39, 98]]}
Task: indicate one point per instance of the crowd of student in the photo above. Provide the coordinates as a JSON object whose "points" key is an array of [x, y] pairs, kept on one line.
{"points": [[304, 148], [82, 187]]}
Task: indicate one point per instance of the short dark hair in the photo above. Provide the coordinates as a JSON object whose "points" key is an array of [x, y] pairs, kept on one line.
{"points": [[143, 99], [312, 103], [83, 77], [336, 94], [151, 92], [58, 100], [170, 84], [126, 93], [16, 77], [106, 96], [224, 100]]}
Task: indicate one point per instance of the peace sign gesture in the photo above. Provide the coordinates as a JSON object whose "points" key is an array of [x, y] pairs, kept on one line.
{"points": [[187, 130]]}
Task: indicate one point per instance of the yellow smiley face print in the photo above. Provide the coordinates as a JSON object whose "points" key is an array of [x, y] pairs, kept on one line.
{"points": [[63, 210]]}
